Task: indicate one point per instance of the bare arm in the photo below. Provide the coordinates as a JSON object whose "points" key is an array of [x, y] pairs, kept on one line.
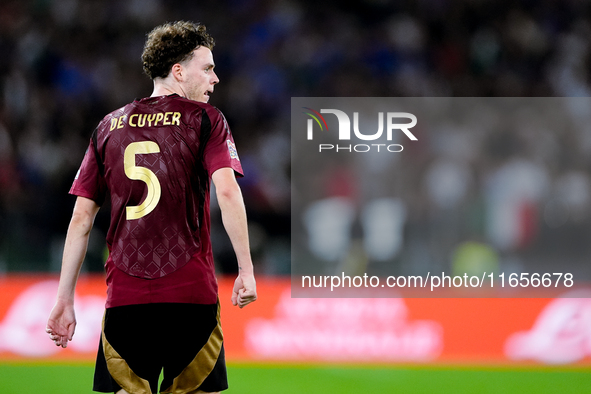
{"points": [[234, 219], [62, 320]]}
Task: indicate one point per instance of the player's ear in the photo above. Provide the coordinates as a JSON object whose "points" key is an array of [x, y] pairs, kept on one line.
{"points": [[177, 72]]}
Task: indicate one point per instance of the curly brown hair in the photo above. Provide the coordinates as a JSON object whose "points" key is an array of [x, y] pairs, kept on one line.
{"points": [[172, 43]]}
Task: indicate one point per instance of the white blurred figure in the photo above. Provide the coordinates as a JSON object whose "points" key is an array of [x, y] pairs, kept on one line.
{"points": [[328, 223], [447, 183], [571, 199], [383, 224]]}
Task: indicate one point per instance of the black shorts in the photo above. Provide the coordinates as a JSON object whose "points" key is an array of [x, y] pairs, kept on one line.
{"points": [[138, 342]]}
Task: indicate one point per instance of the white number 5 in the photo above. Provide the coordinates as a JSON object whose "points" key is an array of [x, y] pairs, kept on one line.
{"points": [[142, 174]]}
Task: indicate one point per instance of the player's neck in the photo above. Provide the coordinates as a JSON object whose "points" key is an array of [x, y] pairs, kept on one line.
{"points": [[163, 87]]}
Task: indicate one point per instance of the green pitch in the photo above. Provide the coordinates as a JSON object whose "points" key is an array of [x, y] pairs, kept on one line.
{"points": [[288, 379]]}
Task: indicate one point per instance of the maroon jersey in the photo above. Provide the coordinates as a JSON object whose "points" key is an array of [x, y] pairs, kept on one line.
{"points": [[155, 158]]}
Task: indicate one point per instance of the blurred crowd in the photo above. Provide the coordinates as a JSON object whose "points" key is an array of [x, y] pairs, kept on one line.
{"points": [[66, 63]]}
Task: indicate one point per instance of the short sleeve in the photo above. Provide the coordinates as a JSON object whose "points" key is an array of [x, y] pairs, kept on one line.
{"points": [[220, 150], [89, 181]]}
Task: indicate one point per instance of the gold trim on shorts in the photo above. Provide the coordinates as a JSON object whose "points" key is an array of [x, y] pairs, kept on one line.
{"points": [[120, 370], [188, 380], [195, 373]]}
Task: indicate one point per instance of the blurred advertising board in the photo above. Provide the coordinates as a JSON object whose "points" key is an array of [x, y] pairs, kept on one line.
{"points": [[375, 330]]}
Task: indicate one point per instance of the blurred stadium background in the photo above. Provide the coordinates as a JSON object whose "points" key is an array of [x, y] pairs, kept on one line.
{"points": [[66, 63]]}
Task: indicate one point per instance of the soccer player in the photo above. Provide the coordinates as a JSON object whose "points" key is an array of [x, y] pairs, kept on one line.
{"points": [[155, 158]]}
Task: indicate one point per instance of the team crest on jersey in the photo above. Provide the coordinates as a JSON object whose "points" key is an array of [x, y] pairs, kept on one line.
{"points": [[232, 149]]}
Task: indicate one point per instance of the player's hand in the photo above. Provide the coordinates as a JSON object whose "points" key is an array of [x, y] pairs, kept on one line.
{"points": [[61, 323], [245, 290]]}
